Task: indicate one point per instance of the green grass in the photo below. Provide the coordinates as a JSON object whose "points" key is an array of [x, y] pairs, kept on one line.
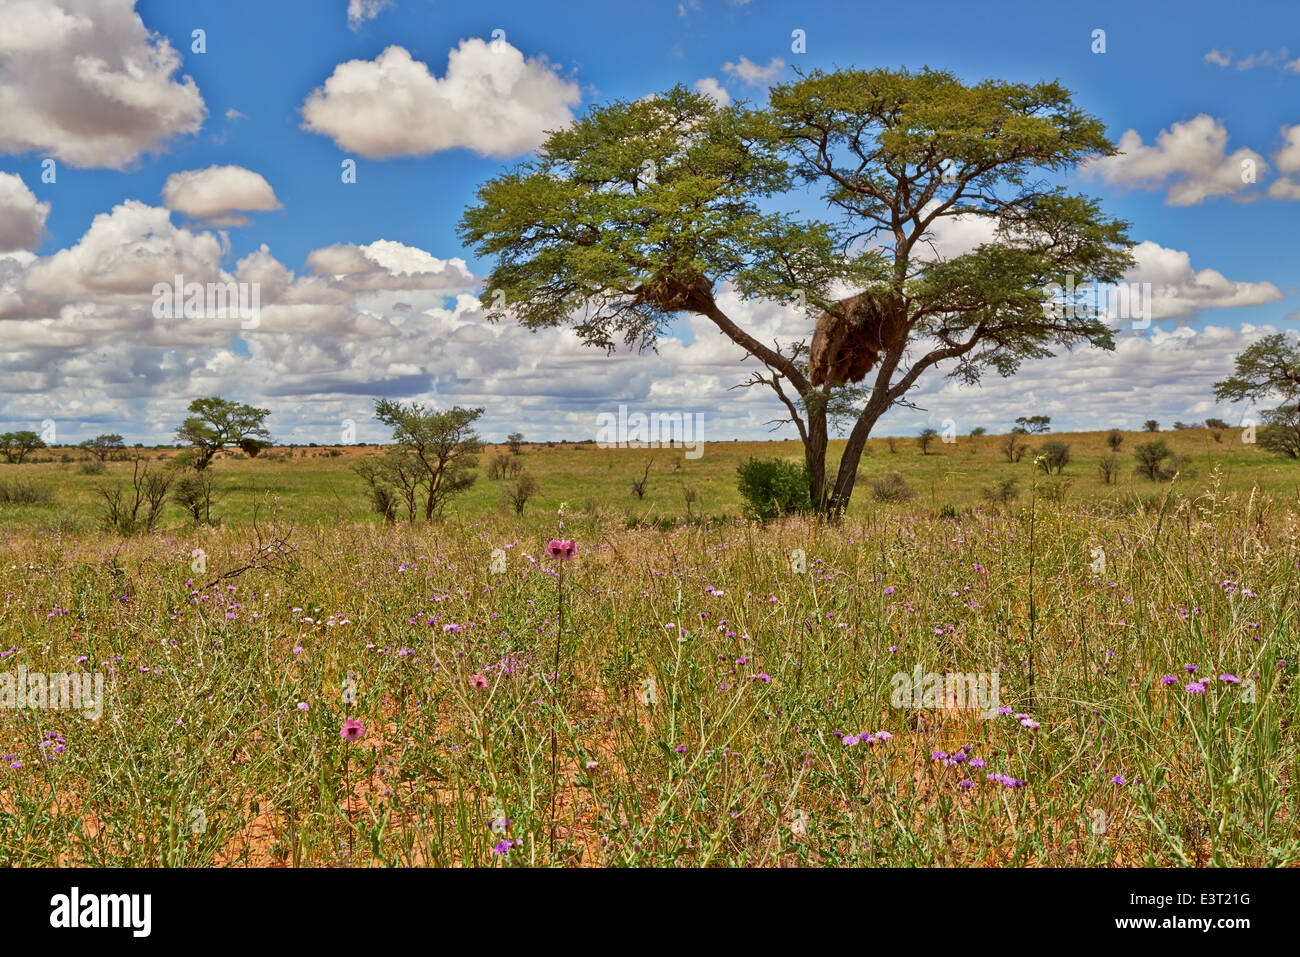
{"points": [[315, 487], [202, 756]]}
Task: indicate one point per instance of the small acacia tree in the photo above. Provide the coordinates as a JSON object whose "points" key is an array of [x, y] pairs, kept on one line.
{"points": [[102, 446], [1270, 367], [15, 446], [218, 423], [435, 457], [642, 210]]}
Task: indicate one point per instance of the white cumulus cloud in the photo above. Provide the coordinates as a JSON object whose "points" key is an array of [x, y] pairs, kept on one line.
{"points": [[87, 83], [218, 194], [1192, 154], [491, 100], [22, 218]]}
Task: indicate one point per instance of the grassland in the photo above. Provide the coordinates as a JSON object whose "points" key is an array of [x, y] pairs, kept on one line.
{"points": [[693, 694], [319, 485]]}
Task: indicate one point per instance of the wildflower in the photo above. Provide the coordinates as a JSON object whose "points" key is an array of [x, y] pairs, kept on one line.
{"points": [[1190, 669], [883, 736], [592, 765], [1030, 723], [1169, 680], [1195, 687], [478, 682], [1230, 679], [1119, 779], [303, 706], [562, 549], [353, 730], [849, 740], [503, 847]]}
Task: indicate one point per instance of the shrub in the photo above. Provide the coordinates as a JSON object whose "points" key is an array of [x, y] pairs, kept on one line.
{"points": [[1114, 439], [1153, 461], [891, 488], [1013, 448], [24, 492], [92, 467], [772, 487], [518, 492], [1053, 456], [1108, 469], [925, 438], [1001, 493]]}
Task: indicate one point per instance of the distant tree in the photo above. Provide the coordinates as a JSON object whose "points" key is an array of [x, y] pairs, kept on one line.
{"points": [[515, 441], [1052, 456], [15, 446], [1216, 424], [518, 492], [925, 438], [1281, 431], [435, 456], [1151, 425], [218, 423], [1114, 439], [1108, 469], [976, 432], [1034, 424], [1013, 448], [1267, 368], [102, 446], [1153, 461]]}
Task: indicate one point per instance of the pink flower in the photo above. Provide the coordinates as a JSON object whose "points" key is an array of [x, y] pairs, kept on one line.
{"points": [[353, 730], [478, 682], [562, 548]]}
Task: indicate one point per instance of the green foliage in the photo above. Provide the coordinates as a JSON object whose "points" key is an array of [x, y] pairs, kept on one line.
{"points": [[218, 423], [641, 210], [1281, 431], [773, 487], [15, 446], [101, 446], [1052, 457], [1153, 461], [924, 440], [891, 488], [434, 460]]}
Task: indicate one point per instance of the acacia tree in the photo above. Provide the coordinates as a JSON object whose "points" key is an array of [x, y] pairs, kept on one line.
{"points": [[104, 445], [15, 446], [645, 209], [1267, 368], [217, 423], [434, 459]]}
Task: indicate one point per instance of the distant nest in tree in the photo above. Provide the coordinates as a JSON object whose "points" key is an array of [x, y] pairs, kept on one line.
{"points": [[848, 341], [676, 294]]}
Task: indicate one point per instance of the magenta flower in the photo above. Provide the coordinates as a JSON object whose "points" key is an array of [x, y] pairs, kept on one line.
{"points": [[561, 548], [1169, 680], [1195, 687], [1230, 679], [353, 730], [478, 682]]}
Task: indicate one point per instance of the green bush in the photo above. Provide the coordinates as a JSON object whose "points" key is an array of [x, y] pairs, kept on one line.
{"points": [[772, 487]]}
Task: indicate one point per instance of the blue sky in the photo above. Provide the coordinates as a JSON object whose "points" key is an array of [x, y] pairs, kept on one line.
{"points": [[79, 348]]}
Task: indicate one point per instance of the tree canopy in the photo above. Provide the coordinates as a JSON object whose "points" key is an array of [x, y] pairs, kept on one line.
{"points": [[218, 423], [642, 210]]}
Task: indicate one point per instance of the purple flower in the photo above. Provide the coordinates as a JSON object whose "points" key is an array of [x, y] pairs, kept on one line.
{"points": [[1230, 679], [1195, 687], [352, 730], [1119, 779], [1169, 680]]}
